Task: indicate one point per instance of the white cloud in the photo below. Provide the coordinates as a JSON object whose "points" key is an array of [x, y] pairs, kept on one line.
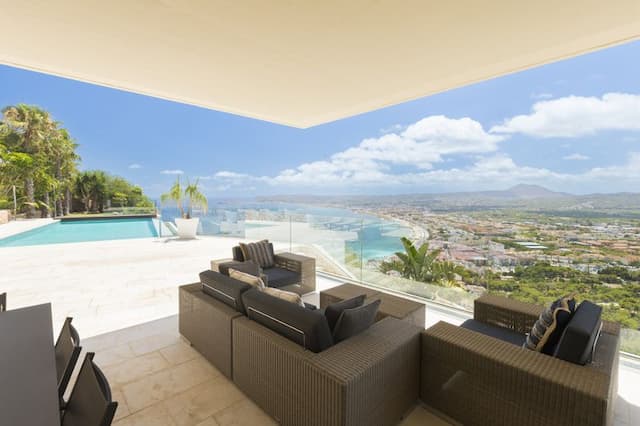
{"points": [[628, 172], [135, 166], [575, 116], [576, 157], [541, 96], [172, 172], [230, 175], [420, 146]]}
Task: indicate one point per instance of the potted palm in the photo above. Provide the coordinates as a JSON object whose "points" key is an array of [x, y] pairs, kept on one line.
{"points": [[187, 224]]}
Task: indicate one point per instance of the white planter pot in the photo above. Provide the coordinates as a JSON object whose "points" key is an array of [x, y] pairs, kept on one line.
{"points": [[187, 228]]}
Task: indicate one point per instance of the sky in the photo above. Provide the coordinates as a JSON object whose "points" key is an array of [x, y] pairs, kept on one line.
{"points": [[571, 126]]}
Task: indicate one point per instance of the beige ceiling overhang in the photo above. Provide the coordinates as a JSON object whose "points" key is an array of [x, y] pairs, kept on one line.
{"points": [[306, 62]]}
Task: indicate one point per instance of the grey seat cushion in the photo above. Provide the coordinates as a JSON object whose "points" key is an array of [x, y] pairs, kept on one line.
{"points": [[224, 288], [500, 333], [306, 327], [581, 334], [333, 311], [355, 320], [279, 277]]}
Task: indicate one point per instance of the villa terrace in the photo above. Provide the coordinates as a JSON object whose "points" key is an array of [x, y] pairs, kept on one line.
{"points": [[123, 297]]}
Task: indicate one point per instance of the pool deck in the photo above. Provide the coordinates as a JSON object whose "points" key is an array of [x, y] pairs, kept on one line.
{"points": [[107, 285], [19, 226]]}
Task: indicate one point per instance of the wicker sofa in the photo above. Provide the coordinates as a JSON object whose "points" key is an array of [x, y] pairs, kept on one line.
{"points": [[372, 378], [477, 380], [291, 272]]}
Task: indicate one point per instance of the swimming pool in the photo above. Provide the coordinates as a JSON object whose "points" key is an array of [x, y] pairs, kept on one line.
{"points": [[83, 230]]}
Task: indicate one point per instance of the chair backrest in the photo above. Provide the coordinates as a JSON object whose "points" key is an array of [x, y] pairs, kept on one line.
{"points": [[90, 402], [3, 302], [67, 352]]}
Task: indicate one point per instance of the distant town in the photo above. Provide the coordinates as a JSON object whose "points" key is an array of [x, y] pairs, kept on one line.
{"points": [[526, 242]]}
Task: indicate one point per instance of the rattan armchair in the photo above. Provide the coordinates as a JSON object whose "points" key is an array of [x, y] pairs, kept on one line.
{"points": [[304, 266], [478, 380]]}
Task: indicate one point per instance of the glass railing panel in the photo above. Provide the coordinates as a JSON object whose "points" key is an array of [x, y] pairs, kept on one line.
{"points": [[362, 247]]}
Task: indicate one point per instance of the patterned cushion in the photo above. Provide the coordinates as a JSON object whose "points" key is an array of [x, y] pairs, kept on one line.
{"points": [[260, 253], [247, 278], [289, 296], [548, 329]]}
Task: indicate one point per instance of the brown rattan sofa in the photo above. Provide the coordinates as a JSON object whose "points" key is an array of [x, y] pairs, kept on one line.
{"points": [[478, 380], [369, 379], [372, 378]]}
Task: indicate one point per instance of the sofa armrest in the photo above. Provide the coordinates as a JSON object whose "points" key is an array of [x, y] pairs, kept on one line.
{"points": [[304, 265], [470, 377], [371, 378], [216, 262], [508, 313]]}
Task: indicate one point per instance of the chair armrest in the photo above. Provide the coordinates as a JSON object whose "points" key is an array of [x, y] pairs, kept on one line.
{"points": [[292, 262], [470, 376], [304, 265], [508, 313]]}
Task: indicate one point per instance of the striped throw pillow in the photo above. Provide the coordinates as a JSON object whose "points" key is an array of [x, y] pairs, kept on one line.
{"points": [[289, 296], [260, 253], [547, 330]]}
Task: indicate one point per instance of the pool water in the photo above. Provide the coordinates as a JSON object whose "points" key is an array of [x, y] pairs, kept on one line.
{"points": [[83, 230]]}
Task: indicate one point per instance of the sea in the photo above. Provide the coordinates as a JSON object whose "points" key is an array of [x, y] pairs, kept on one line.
{"points": [[367, 236]]}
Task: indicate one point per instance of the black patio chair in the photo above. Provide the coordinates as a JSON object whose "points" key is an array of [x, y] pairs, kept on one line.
{"points": [[90, 401], [67, 352]]}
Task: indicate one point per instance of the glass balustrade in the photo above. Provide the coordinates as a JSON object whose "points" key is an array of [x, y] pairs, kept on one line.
{"points": [[361, 247]]}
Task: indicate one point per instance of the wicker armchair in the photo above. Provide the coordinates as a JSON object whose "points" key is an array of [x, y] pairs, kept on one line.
{"points": [[477, 380], [304, 267]]}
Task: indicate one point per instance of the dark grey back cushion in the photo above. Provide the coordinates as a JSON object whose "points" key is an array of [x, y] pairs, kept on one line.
{"points": [[237, 254], [333, 311], [581, 334], [224, 288], [356, 320], [306, 327]]}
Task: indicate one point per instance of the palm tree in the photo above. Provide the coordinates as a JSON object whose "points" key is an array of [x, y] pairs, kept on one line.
{"points": [[26, 129], [174, 194], [417, 264], [194, 197], [446, 273]]}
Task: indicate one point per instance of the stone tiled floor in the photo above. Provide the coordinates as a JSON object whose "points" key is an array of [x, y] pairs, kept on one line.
{"points": [[159, 380]]}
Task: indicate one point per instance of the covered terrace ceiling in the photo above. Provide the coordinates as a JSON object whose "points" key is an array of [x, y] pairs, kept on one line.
{"points": [[302, 63]]}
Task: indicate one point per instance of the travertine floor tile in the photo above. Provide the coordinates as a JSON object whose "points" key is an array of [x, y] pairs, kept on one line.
{"points": [[156, 415], [134, 369], [420, 416], [115, 355], [198, 403], [154, 343], [179, 353], [243, 413], [123, 409], [167, 383], [209, 422]]}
